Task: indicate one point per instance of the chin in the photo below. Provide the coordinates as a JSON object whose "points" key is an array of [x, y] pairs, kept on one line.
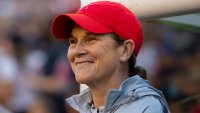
{"points": [[82, 80]]}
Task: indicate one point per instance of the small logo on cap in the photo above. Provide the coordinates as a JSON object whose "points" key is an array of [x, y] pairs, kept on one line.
{"points": [[84, 8]]}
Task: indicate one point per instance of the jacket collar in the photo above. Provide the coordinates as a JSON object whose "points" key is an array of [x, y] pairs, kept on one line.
{"points": [[81, 102], [125, 93]]}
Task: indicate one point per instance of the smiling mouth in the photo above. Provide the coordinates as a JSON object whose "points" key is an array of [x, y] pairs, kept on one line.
{"points": [[84, 63]]}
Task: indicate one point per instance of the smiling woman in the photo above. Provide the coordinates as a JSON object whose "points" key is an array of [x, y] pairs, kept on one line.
{"points": [[91, 54], [102, 53]]}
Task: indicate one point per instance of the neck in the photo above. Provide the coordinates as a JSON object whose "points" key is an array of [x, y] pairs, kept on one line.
{"points": [[99, 97], [100, 91]]}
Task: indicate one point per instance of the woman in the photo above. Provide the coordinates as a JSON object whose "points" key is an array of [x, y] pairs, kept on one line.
{"points": [[105, 38]]}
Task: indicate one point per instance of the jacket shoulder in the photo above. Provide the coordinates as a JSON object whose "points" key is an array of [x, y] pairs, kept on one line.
{"points": [[147, 104], [151, 105]]}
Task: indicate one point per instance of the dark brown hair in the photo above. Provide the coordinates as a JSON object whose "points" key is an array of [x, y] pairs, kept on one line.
{"points": [[133, 70]]}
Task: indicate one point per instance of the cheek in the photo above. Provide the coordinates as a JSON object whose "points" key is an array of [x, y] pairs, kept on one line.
{"points": [[69, 55], [70, 58], [107, 51], [106, 55]]}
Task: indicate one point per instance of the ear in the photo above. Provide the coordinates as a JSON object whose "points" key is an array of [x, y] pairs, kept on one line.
{"points": [[127, 50]]}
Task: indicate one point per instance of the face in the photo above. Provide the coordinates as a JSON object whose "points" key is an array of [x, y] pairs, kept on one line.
{"points": [[93, 58]]}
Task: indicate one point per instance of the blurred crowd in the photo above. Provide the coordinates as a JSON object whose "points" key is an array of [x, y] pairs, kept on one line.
{"points": [[35, 76], [171, 56]]}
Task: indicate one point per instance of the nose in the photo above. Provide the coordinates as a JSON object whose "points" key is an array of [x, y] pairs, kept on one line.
{"points": [[78, 50]]}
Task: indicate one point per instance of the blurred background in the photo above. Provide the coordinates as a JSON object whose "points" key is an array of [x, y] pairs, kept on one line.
{"points": [[35, 76]]}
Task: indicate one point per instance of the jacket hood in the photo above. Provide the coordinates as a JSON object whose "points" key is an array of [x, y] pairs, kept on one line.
{"points": [[132, 89]]}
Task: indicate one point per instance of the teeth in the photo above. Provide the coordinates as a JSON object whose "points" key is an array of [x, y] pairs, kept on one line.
{"points": [[83, 63]]}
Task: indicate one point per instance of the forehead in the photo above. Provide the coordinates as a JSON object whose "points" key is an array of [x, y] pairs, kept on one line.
{"points": [[79, 31]]}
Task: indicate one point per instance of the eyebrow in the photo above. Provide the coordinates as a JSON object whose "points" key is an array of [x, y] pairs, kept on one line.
{"points": [[89, 34], [86, 34]]}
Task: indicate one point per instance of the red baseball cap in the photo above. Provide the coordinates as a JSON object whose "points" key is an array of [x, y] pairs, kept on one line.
{"points": [[101, 17]]}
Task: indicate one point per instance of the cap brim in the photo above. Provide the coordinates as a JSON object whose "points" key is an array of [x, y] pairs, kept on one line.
{"points": [[62, 24]]}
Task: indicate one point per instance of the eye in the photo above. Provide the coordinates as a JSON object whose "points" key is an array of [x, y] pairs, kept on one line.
{"points": [[90, 40], [72, 40]]}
